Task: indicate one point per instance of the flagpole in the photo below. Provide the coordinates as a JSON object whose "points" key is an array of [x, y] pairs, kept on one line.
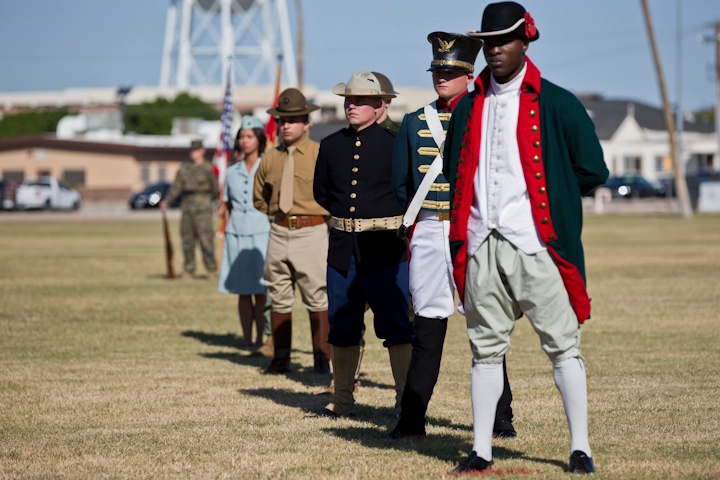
{"points": [[271, 125], [222, 154]]}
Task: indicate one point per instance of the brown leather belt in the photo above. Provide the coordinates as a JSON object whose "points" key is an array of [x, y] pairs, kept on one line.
{"points": [[293, 222]]}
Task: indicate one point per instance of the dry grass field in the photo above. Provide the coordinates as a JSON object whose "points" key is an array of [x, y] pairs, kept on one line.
{"points": [[107, 370]]}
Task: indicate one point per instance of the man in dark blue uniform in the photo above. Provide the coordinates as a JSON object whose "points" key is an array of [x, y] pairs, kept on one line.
{"points": [[425, 189], [367, 261]]}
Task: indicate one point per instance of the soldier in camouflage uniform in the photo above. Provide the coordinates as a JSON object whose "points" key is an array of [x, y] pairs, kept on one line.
{"points": [[199, 186]]}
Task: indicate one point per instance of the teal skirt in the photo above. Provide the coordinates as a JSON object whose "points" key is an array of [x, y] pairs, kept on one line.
{"points": [[241, 267]]}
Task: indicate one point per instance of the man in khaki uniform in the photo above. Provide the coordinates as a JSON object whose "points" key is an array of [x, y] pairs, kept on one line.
{"points": [[199, 187], [298, 234]]}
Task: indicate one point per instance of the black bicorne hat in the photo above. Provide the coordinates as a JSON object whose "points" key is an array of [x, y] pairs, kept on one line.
{"points": [[453, 51], [506, 18]]}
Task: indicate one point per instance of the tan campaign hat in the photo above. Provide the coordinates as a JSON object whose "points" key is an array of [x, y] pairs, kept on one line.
{"points": [[386, 85], [361, 84]]}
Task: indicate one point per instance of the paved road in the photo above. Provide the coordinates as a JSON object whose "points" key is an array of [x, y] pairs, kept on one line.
{"points": [[93, 211], [90, 211]]}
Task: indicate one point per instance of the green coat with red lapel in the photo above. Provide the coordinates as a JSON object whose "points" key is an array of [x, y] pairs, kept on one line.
{"points": [[561, 159]]}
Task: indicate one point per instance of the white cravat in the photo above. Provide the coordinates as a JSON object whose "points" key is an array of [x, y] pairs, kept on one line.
{"points": [[501, 199]]}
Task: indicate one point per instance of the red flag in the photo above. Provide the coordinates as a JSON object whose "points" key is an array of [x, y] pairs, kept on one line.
{"points": [[271, 126]]}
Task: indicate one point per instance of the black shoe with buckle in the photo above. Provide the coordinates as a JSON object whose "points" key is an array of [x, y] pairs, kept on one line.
{"points": [[580, 463], [472, 463]]}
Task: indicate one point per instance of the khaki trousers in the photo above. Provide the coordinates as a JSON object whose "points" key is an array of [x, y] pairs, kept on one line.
{"points": [[297, 257], [502, 283]]}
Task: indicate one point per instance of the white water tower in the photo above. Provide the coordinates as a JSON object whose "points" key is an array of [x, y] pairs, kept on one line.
{"points": [[202, 37]]}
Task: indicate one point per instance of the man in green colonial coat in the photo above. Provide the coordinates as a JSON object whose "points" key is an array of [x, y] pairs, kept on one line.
{"points": [[519, 154]]}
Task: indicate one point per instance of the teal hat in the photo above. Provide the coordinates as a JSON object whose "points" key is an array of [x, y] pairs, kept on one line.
{"points": [[250, 122]]}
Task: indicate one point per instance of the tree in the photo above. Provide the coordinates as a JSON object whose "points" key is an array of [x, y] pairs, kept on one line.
{"points": [[30, 123], [155, 118], [706, 115]]}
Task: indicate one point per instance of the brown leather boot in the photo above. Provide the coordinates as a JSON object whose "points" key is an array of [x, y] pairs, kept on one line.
{"points": [[344, 361], [267, 350], [400, 356], [281, 325], [320, 328]]}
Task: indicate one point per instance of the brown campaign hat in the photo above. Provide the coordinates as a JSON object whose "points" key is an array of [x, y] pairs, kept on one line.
{"points": [[292, 102]]}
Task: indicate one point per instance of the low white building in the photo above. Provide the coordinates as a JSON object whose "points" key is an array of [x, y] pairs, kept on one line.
{"points": [[635, 140]]}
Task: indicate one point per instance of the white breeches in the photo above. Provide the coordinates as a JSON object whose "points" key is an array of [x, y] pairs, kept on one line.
{"points": [[431, 281]]}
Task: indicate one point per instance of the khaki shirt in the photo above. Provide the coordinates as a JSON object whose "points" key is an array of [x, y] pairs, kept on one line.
{"points": [[266, 194]]}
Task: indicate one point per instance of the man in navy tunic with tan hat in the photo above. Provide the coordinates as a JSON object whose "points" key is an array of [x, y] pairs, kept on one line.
{"points": [[519, 154], [367, 261]]}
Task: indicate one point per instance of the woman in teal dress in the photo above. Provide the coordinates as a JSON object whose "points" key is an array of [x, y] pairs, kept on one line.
{"points": [[246, 232]]}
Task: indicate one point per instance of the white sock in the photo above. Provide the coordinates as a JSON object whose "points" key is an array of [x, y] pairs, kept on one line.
{"points": [[486, 387], [570, 380]]}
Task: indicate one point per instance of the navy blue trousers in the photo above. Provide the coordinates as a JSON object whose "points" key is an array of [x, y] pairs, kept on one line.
{"points": [[386, 291]]}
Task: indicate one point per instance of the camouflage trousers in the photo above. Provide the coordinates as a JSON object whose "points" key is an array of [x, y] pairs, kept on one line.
{"points": [[198, 225]]}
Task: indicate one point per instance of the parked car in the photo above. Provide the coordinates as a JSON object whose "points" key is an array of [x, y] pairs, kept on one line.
{"points": [[7, 194], [47, 193], [151, 196], [633, 186]]}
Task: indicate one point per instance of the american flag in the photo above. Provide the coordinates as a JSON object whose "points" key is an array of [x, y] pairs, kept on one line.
{"points": [[222, 153]]}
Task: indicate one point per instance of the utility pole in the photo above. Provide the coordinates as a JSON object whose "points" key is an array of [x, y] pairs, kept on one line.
{"points": [[680, 181], [715, 38], [717, 83], [678, 92], [300, 43]]}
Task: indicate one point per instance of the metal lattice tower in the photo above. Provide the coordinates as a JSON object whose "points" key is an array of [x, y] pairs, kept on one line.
{"points": [[202, 38]]}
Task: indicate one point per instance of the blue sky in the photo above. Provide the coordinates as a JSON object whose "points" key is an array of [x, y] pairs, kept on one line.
{"points": [[585, 46]]}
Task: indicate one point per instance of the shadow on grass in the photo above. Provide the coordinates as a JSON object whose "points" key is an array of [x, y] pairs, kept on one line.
{"points": [[308, 402], [299, 373], [215, 339], [445, 447]]}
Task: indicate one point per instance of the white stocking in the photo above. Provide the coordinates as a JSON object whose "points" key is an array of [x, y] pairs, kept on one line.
{"points": [[570, 380], [486, 386]]}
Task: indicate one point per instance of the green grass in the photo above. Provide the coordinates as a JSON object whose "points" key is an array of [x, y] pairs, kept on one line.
{"points": [[109, 370]]}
